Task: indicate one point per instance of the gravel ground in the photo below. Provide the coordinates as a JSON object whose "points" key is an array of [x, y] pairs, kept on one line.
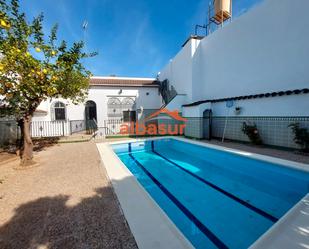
{"points": [[4, 156], [66, 202]]}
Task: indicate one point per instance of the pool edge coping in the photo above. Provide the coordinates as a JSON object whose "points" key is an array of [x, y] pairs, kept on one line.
{"points": [[282, 234], [274, 232], [161, 232], [252, 155]]}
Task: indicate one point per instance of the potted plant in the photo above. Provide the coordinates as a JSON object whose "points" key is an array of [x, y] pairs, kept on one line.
{"points": [[237, 110], [301, 136], [252, 132]]}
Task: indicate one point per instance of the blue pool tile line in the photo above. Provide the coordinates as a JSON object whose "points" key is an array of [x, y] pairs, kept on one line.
{"points": [[235, 198], [186, 211], [130, 148]]}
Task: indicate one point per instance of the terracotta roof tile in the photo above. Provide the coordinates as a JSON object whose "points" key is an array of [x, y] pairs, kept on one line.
{"points": [[121, 81], [261, 95]]}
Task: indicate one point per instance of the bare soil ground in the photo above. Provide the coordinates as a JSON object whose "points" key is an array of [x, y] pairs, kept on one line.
{"points": [[9, 153], [66, 202], [5, 156]]}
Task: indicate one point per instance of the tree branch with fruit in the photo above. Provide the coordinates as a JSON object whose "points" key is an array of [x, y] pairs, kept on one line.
{"points": [[35, 67]]}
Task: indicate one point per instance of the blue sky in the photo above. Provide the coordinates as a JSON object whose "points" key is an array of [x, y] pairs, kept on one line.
{"points": [[133, 38]]}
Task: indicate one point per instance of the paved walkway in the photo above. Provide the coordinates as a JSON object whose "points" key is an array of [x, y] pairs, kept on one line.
{"points": [[292, 155], [66, 202]]}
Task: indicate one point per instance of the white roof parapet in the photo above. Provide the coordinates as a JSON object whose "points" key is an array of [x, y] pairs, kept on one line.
{"points": [[123, 81], [121, 78]]}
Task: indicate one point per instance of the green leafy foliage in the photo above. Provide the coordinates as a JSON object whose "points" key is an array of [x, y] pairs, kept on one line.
{"points": [[35, 66], [252, 132], [301, 136]]}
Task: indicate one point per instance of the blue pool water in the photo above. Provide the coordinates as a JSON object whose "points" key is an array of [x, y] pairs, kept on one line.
{"points": [[217, 199]]}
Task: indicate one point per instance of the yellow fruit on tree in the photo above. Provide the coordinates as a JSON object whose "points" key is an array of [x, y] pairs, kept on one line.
{"points": [[44, 71], [38, 50], [53, 52], [1, 67], [3, 24]]}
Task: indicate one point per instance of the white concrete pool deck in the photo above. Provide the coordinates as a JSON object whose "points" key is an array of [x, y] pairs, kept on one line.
{"points": [[291, 231], [152, 228]]}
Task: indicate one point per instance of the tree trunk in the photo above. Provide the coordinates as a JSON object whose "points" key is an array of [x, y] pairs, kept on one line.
{"points": [[27, 152], [21, 139]]}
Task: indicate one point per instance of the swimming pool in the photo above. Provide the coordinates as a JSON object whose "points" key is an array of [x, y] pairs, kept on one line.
{"points": [[217, 199]]}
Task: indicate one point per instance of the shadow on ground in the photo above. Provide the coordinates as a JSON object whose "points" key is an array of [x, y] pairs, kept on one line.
{"points": [[39, 144], [44, 143], [49, 222]]}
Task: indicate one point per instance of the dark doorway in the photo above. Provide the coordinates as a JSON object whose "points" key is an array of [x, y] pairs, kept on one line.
{"points": [[207, 122], [91, 110], [91, 116], [129, 116]]}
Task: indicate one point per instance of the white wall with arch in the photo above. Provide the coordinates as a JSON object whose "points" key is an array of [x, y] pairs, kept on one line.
{"points": [[144, 97]]}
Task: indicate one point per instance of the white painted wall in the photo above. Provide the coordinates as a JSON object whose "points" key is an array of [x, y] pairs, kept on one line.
{"points": [[293, 105], [100, 96], [177, 102], [264, 50], [72, 111], [195, 111], [179, 70]]}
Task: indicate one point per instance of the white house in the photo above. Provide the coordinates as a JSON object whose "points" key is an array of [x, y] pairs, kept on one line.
{"points": [[258, 64], [110, 101], [109, 98]]}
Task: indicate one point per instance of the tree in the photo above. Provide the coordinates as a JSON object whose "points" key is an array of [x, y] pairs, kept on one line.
{"points": [[35, 67]]}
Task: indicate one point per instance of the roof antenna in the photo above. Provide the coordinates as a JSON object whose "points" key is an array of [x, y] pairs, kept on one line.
{"points": [[84, 27]]}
